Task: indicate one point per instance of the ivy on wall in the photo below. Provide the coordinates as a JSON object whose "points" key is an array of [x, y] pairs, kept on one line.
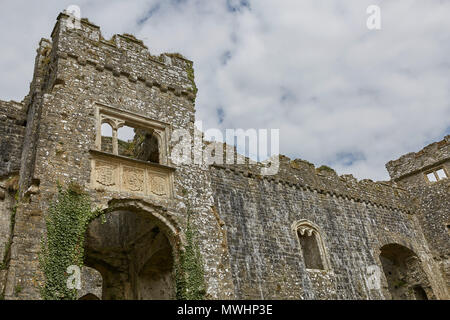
{"points": [[189, 272], [67, 220]]}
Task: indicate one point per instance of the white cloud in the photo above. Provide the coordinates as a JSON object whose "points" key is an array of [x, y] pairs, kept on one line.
{"points": [[341, 95]]}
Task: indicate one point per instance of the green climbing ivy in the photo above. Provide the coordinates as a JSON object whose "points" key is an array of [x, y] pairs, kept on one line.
{"points": [[189, 272], [67, 219]]}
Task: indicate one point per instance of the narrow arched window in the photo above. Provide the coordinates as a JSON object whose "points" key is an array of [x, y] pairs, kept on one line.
{"points": [[107, 137], [311, 245]]}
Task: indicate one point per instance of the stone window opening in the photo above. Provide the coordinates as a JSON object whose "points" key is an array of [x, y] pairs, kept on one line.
{"points": [[132, 142], [311, 245], [107, 134], [436, 174], [132, 137]]}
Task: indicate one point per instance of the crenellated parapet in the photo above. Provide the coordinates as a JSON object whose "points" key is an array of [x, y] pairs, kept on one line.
{"points": [[302, 175], [123, 56]]}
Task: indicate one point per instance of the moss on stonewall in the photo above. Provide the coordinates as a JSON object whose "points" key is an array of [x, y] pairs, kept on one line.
{"points": [[326, 168]]}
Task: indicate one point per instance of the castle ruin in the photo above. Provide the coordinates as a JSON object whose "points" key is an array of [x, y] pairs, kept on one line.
{"points": [[304, 233]]}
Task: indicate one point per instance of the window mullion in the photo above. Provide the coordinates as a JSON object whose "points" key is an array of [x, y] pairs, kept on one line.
{"points": [[115, 143], [436, 175]]}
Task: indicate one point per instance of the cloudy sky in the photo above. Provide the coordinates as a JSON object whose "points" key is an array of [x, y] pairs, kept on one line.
{"points": [[341, 94]]}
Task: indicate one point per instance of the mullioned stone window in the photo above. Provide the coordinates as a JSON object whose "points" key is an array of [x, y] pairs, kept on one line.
{"points": [[311, 244], [131, 136], [436, 174]]}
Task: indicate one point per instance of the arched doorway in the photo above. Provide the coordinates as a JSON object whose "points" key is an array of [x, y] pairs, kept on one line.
{"points": [[406, 279], [419, 293], [133, 253]]}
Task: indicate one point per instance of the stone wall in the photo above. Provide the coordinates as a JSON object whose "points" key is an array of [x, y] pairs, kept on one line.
{"points": [[355, 220], [12, 130], [8, 189], [431, 198], [435, 220]]}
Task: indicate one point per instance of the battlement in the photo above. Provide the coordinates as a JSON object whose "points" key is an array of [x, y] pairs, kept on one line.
{"points": [[123, 55], [304, 175], [414, 162]]}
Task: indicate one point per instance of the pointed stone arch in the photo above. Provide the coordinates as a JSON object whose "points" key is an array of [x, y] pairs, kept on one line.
{"points": [[312, 246], [405, 278], [135, 247]]}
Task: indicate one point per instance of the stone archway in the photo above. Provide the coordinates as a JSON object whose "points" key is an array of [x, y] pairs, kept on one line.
{"points": [[405, 277], [133, 250]]}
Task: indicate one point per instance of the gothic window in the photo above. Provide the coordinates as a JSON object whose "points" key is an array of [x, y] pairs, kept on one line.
{"points": [[131, 136], [311, 245], [436, 174]]}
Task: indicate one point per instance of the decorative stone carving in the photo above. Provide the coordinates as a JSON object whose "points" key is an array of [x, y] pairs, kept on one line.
{"points": [[133, 179], [158, 185], [112, 173], [105, 174], [306, 229]]}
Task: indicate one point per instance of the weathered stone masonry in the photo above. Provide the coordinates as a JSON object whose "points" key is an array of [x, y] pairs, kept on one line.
{"points": [[304, 233]]}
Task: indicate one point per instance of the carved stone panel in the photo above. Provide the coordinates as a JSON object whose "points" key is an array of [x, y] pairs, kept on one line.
{"points": [[157, 185], [106, 174], [114, 173], [133, 179]]}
